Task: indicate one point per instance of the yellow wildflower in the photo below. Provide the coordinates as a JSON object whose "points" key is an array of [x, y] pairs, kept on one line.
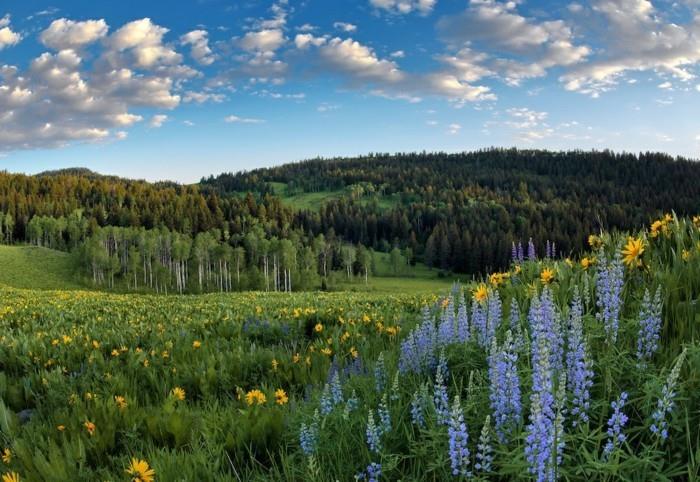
{"points": [[546, 276], [196, 344], [61, 428], [586, 263], [140, 471], [90, 427], [318, 328], [481, 293], [178, 393], [120, 401], [632, 252], [10, 477], [281, 397], [594, 241], [255, 397], [7, 456]]}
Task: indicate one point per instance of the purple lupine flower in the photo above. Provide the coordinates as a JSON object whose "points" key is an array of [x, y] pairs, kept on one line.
{"points": [[484, 449], [649, 326], [374, 433], [560, 410], [665, 404], [515, 326], [418, 348], [326, 400], [374, 471], [462, 322], [446, 329], [479, 322], [384, 416], [540, 442], [521, 253], [544, 322], [493, 317], [336, 389], [531, 254], [308, 436], [440, 400], [578, 365], [609, 296], [616, 423], [505, 387], [380, 374], [458, 440], [418, 404]]}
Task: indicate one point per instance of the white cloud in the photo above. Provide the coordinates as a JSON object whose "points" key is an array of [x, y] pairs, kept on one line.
{"points": [[66, 34], [8, 37], [405, 6], [200, 51], [326, 107], [158, 120], [522, 47], [345, 27], [637, 38], [262, 41], [524, 118], [234, 119], [666, 85], [454, 129], [399, 54], [202, 97], [61, 98]]}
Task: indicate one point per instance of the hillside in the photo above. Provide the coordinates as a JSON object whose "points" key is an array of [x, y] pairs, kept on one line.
{"points": [[458, 213], [37, 268]]}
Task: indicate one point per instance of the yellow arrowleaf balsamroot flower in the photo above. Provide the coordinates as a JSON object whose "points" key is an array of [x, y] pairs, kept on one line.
{"points": [[685, 255], [586, 263], [140, 471], [196, 344], [281, 397], [7, 456], [546, 276], [120, 401], [178, 393], [327, 351], [595, 241], [274, 364], [61, 428], [255, 397], [11, 477], [353, 352], [318, 328], [632, 252], [90, 427], [696, 221], [481, 293]]}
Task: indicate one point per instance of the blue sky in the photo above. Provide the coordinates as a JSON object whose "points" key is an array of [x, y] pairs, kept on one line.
{"points": [[180, 90]]}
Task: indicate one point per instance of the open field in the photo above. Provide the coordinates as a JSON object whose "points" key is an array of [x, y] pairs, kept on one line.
{"points": [[575, 361], [37, 268]]}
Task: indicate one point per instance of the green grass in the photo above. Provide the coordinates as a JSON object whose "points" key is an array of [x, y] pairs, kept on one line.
{"points": [[314, 200], [36, 268], [410, 279]]}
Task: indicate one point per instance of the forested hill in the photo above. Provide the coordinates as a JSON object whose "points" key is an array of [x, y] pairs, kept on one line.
{"points": [[462, 211], [458, 212]]}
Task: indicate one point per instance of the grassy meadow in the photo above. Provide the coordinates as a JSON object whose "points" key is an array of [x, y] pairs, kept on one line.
{"points": [[570, 369]]}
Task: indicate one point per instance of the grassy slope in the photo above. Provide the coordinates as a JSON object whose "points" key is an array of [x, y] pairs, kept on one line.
{"points": [[314, 200], [412, 279], [37, 268]]}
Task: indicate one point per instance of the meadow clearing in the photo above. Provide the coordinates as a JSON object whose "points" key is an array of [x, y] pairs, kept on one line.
{"points": [[566, 369]]}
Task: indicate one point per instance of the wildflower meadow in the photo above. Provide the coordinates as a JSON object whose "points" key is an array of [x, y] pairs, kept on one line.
{"points": [[581, 368]]}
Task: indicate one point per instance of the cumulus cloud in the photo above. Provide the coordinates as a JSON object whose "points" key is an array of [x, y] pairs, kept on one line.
{"points": [[519, 47], [65, 34], [345, 27], [360, 66], [199, 42], [8, 37], [61, 98], [637, 38], [202, 97], [404, 6], [158, 120]]}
